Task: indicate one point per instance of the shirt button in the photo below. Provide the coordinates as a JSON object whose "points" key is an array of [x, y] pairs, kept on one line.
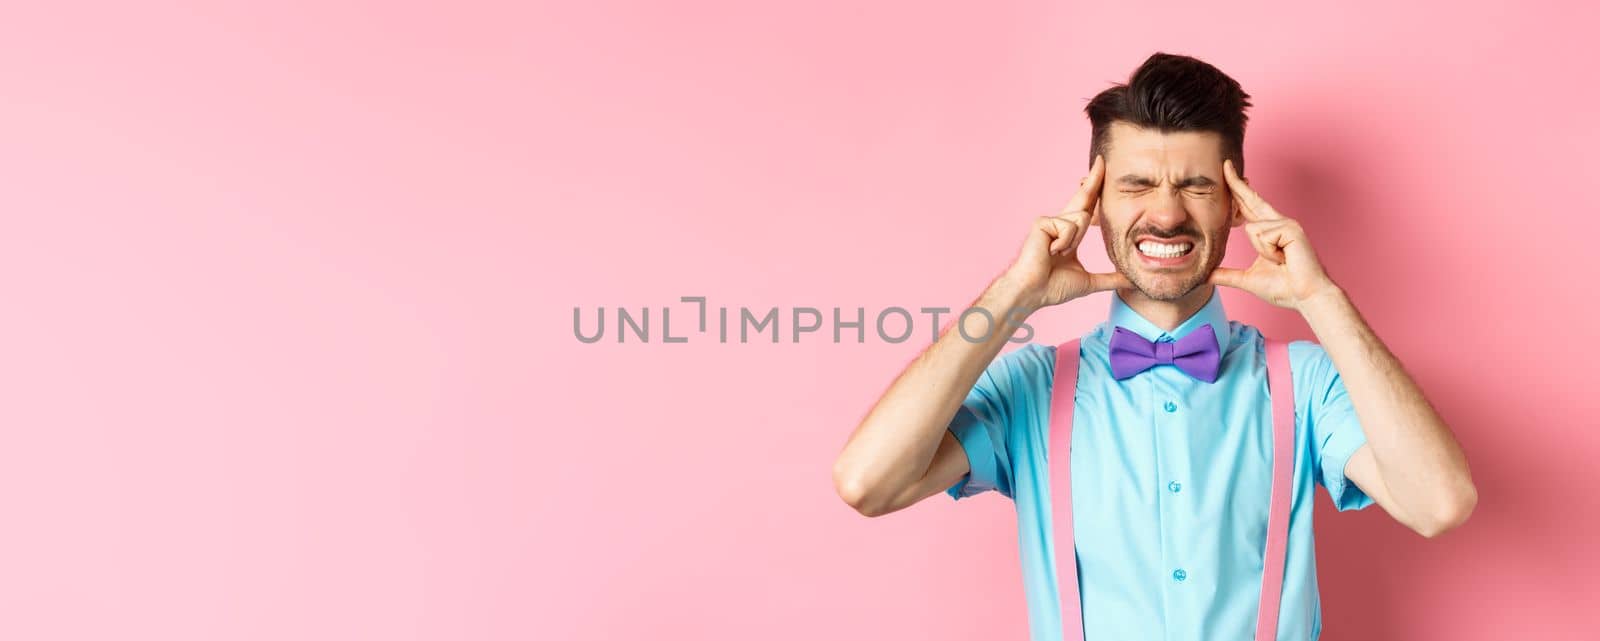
{"points": [[1174, 486], [1170, 407], [1179, 574]]}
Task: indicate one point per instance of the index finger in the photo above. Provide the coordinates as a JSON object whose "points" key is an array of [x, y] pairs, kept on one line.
{"points": [[1090, 191], [1255, 208]]}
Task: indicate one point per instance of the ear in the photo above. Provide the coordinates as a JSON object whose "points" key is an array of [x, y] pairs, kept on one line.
{"points": [[1235, 215]]}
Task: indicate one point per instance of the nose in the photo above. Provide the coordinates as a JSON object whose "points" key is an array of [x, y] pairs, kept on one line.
{"points": [[1167, 210]]}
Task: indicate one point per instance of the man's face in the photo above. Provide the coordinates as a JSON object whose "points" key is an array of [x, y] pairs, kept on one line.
{"points": [[1165, 209]]}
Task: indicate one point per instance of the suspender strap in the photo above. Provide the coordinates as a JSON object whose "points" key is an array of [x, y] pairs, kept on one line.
{"points": [[1280, 384], [1059, 458]]}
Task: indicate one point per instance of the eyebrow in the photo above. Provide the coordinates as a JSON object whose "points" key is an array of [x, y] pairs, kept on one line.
{"points": [[1134, 180]]}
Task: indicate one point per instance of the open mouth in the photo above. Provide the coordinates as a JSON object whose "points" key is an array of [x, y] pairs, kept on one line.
{"points": [[1165, 250]]}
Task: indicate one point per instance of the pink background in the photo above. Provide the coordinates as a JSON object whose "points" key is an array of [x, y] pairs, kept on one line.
{"points": [[288, 348]]}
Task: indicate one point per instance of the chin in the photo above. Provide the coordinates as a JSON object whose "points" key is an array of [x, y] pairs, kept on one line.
{"points": [[1165, 287]]}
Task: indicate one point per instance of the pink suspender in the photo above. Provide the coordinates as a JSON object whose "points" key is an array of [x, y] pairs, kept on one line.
{"points": [[1060, 461], [1065, 385], [1280, 384]]}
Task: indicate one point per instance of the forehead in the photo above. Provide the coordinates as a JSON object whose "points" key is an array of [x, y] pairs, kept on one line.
{"points": [[1150, 151]]}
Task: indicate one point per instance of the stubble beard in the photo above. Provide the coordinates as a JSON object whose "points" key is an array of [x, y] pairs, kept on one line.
{"points": [[1166, 286]]}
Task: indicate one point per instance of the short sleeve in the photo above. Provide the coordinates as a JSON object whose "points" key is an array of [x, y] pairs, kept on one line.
{"points": [[1321, 401], [987, 417]]}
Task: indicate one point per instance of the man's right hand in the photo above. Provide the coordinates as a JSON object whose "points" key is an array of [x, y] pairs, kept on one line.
{"points": [[1047, 268], [903, 450]]}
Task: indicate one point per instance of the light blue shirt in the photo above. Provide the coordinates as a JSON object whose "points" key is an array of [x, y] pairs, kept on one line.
{"points": [[1171, 478]]}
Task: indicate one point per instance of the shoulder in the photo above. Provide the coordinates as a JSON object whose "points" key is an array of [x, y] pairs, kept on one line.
{"points": [[1097, 336], [1316, 380], [1309, 363], [1304, 355], [1310, 360], [1028, 367], [1029, 359], [1042, 356], [1015, 376]]}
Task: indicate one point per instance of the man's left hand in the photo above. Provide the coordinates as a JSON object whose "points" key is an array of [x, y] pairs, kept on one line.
{"points": [[1286, 272]]}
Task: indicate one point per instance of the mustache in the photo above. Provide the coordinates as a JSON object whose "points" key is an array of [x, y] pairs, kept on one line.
{"points": [[1166, 233]]}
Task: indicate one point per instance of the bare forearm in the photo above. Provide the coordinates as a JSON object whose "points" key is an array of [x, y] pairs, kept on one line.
{"points": [[893, 445], [1418, 459], [891, 450]]}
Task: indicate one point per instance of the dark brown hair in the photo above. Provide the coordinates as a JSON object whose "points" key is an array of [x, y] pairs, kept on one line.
{"points": [[1173, 93]]}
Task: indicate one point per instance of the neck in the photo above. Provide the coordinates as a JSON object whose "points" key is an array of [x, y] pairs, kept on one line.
{"points": [[1167, 314]]}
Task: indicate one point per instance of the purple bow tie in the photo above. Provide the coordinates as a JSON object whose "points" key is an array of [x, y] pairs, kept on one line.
{"points": [[1196, 353]]}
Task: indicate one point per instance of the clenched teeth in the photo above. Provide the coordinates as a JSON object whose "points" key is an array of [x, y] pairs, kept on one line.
{"points": [[1164, 250]]}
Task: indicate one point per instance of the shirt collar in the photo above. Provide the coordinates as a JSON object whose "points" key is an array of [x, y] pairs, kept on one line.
{"points": [[1123, 316]]}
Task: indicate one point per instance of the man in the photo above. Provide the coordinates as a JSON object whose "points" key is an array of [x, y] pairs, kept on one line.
{"points": [[1173, 471]]}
